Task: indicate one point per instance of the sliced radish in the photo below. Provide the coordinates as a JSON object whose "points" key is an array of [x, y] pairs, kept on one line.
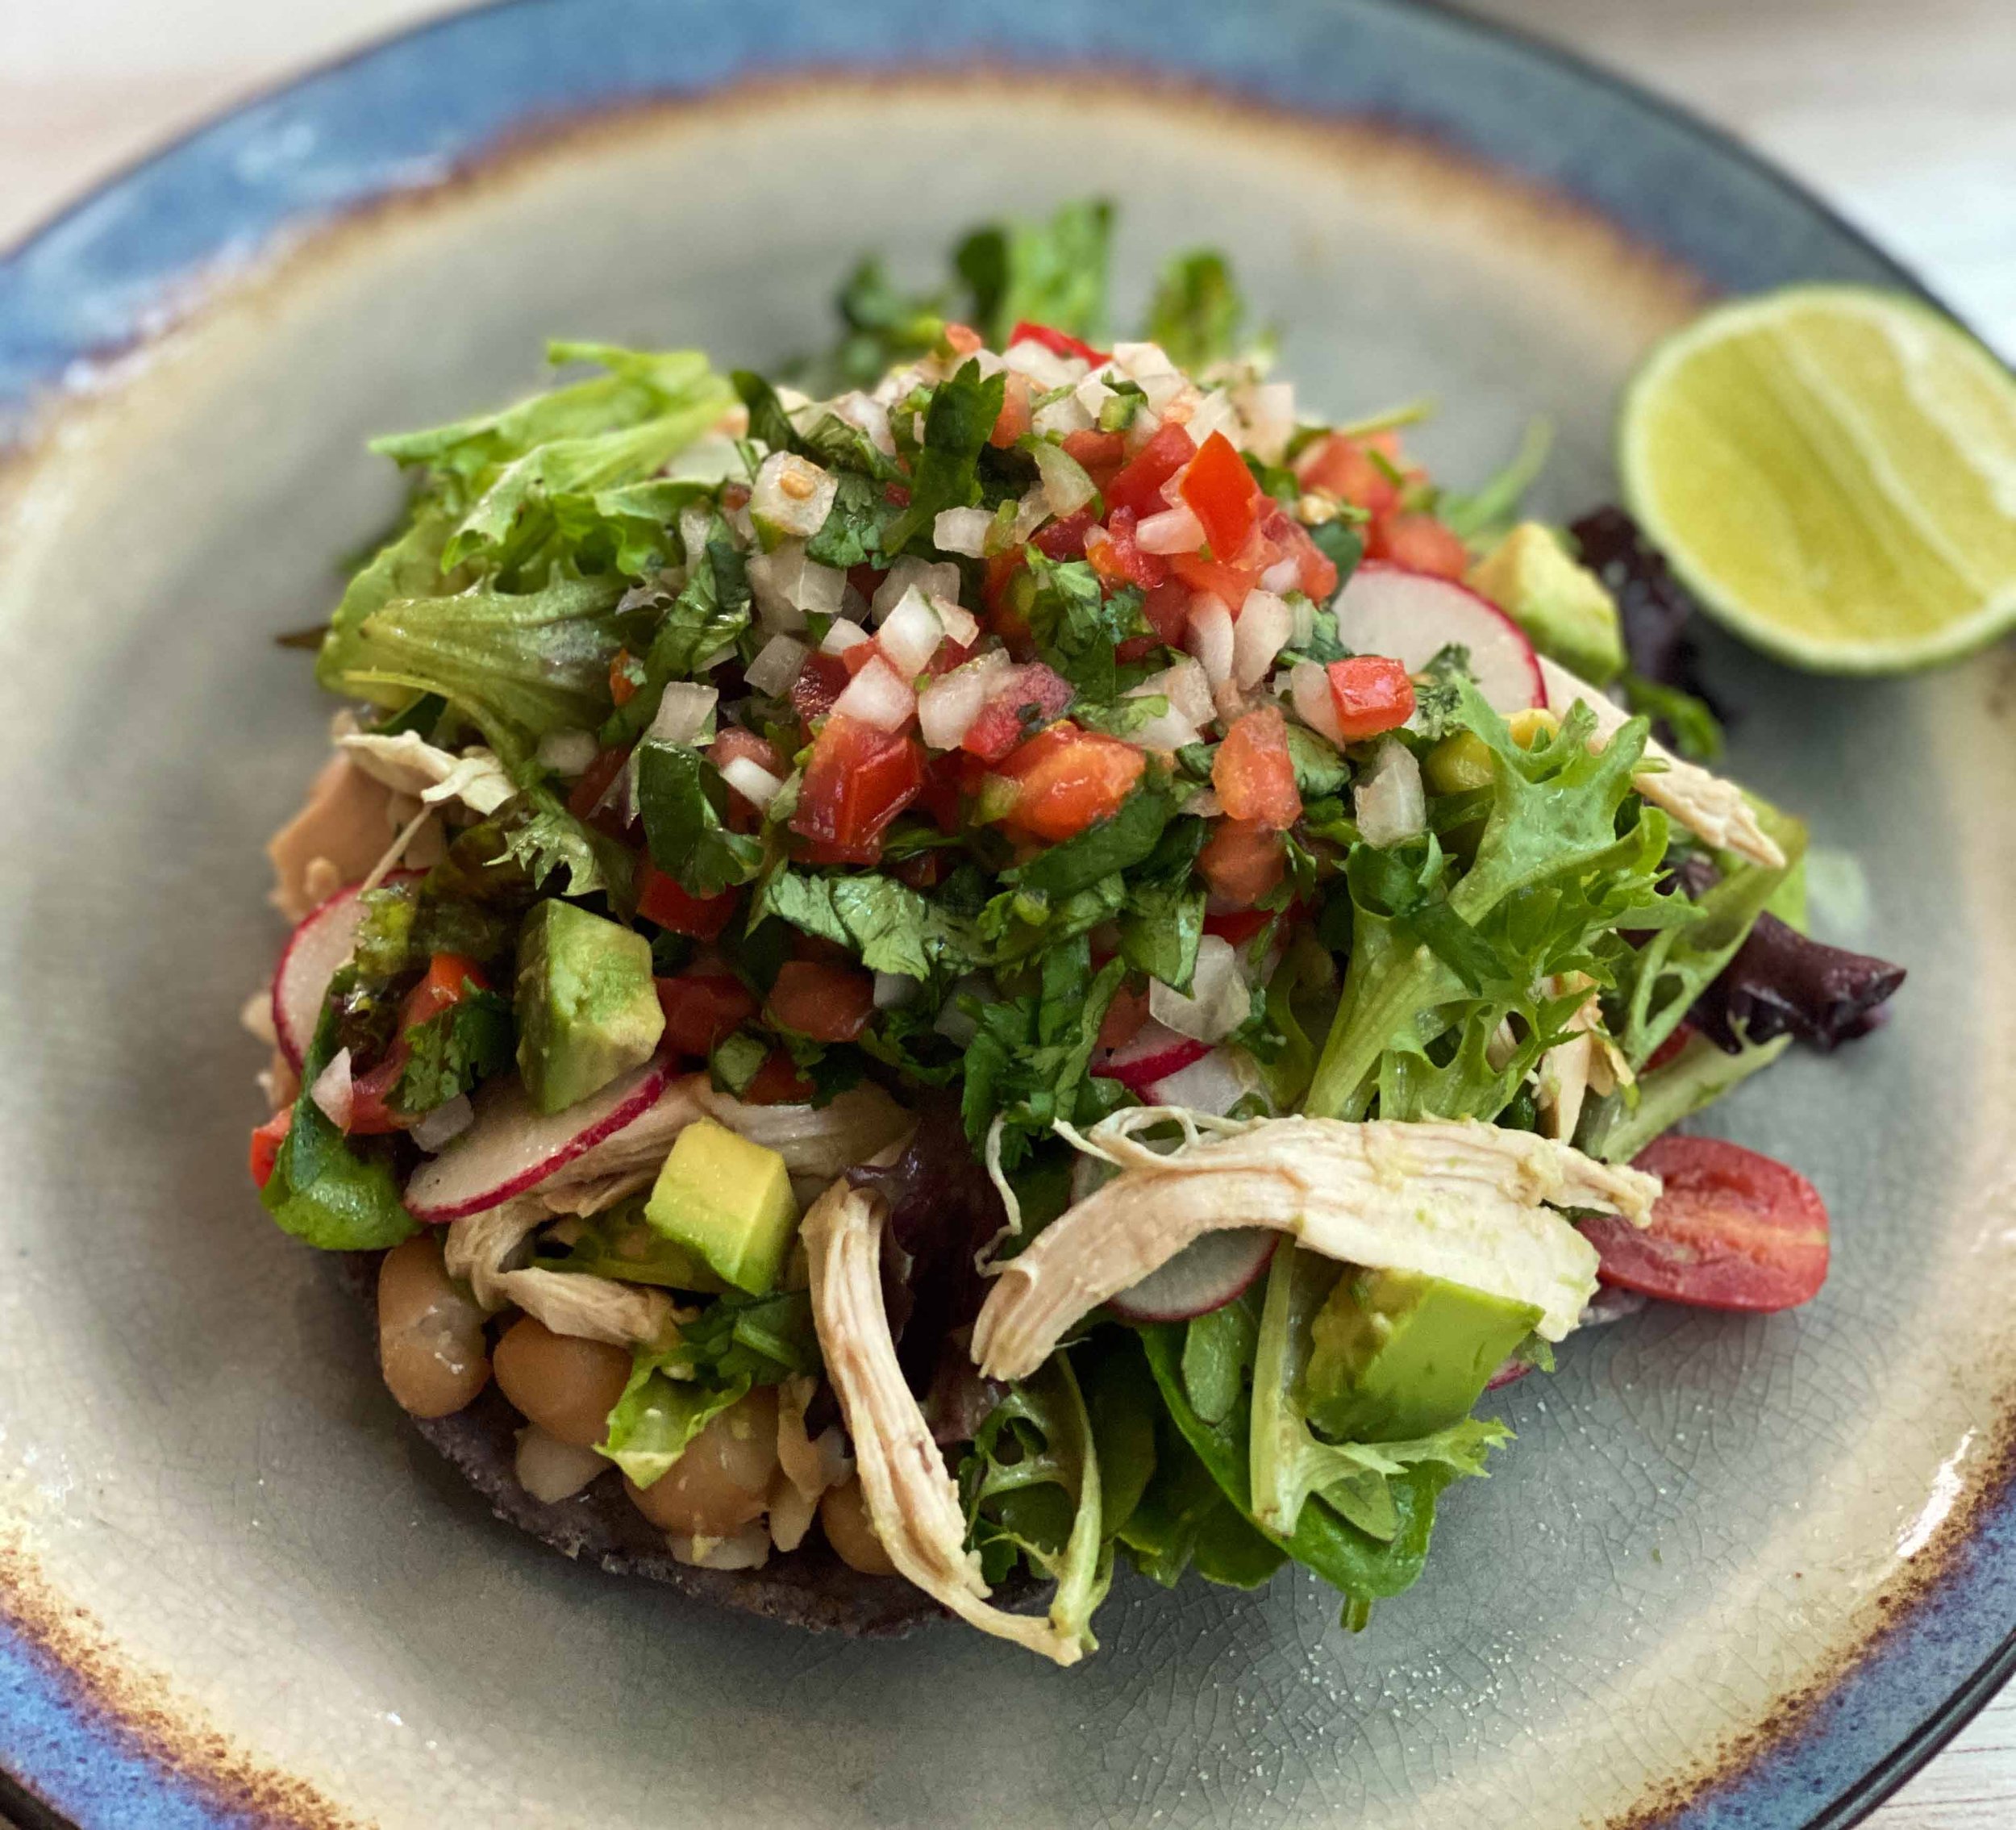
{"points": [[1411, 617], [511, 1147], [1154, 1052], [1214, 1083], [323, 941], [1510, 1373], [1206, 1274]]}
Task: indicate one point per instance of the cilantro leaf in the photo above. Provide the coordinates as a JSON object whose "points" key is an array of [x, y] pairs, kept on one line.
{"points": [[1052, 273], [454, 1049], [711, 609], [892, 926], [546, 838], [1113, 844], [957, 424], [883, 326], [1076, 626], [855, 528], [685, 806], [1197, 309]]}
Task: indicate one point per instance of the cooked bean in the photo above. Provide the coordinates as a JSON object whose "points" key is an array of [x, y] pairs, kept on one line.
{"points": [[843, 1518], [723, 1481], [430, 1331], [565, 1384]]}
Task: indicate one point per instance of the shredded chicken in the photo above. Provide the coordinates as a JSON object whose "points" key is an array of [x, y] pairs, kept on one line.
{"points": [[806, 1466], [1458, 1201], [410, 765], [813, 1140], [912, 1502], [1589, 1062], [627, 1315], [339, 835], [1712, 809]]}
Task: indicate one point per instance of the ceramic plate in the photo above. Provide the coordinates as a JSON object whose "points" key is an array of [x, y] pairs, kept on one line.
{"points": [[1735, 1571]]}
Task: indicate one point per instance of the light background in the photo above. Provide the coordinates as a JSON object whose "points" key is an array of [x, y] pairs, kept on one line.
{"points": [[1902, 115]]}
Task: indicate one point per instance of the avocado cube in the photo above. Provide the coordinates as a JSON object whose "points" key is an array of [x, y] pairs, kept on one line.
{"points": [[1561, 605], [727, 1201], [1395, 1355], [587, 1009]]}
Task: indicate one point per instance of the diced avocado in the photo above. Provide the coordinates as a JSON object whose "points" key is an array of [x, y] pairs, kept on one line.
{"points": [[1563, 607], [587, 1009], [1395, 1355], [727, 1201]]}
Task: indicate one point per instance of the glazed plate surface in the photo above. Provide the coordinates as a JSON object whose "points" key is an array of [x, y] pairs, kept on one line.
{"points": [[1731, 1566]]}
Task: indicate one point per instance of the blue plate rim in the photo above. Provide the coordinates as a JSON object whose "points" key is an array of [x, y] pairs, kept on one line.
{"points": [[1767, 1774]]}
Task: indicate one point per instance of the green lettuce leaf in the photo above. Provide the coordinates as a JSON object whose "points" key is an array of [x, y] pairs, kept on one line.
{"points": [[661, 1410], [1052, 273], [407, 567], [1616, 1127]]}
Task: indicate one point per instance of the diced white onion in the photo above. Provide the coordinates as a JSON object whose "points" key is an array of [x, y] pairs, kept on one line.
{"points": [[777, 666], [879, 696], [842, 635], [1214, 1083], [1062, 417], [819, 588], [1066, 487], [1138, 360], [1043, 364], [1305, 629], [333, 1091], [682, 713], [946, 709], [1218, 1000], [1171, 732], [1308, 686], [1281, 576], [867, 413], [960, 625], [567, 752], [751, 780], [910, 634], [1261, 632], [1214, 413], [773, 580], [551, 1470], [934, 581], [1031, 513], [792, 496], [962, 530], [1390, 802], [695, 519], [1184, 686], [1174, 529], [1092, 393], [447, 1121], [1268, 410], [1211, 636], [892, 989]]}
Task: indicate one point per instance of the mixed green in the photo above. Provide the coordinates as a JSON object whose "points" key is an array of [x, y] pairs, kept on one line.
{"points": [[915, 762]]}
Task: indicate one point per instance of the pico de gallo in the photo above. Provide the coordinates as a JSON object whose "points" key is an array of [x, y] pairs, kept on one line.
{"points": [[1012, 948]]}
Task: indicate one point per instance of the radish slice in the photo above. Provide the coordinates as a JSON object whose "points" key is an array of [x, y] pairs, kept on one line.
{"points": [[323, 941], [1154, 1053], [511, 1147], [1214, 1083], [1510, 1373], [1206, 1274], [1411, 617]]}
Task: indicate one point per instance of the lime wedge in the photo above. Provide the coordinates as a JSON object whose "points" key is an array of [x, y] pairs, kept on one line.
{"points": [[1832, 472]]}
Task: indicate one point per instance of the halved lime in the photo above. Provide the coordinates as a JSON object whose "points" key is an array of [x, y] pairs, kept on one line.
{"points": [[1832, 471]]}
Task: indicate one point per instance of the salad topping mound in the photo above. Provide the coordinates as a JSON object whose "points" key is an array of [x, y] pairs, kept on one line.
{"points": [[1010, 949]]}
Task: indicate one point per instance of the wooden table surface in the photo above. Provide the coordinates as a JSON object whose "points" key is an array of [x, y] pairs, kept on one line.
{"points": [[1901, 116]]}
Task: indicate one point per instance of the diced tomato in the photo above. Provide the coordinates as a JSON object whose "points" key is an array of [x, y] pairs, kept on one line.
{"points": [[820, 681], [1098, 451], [1029, 696], [449, 978], [947, 656], [1231, 585], [1117, 557], [778, 1082], [1060, 343], [1315, 571], [828, 1002], [1682, 1033], [1069, 779], [622, 683], [660, 899], [266, 1140], [1124, 1018], [1167, 608], [1343, 467], [1223, 495], [865, 578], [1004, 615], [922, 871], [1012, 422], [1731, 1229], [854, 659], [735, 743], [1238, 926], [1064, 538], [1137, 486], [372, 1112], [896, 495], [702, 1008], [1419, 542], [1243, 861], [1253, 772], [963, 339], [945, 779], [1369, 693], [858, 781], [591, 785]]}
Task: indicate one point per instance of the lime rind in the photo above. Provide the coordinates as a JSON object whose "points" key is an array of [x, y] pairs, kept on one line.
{"points": [[1982, 411]]}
